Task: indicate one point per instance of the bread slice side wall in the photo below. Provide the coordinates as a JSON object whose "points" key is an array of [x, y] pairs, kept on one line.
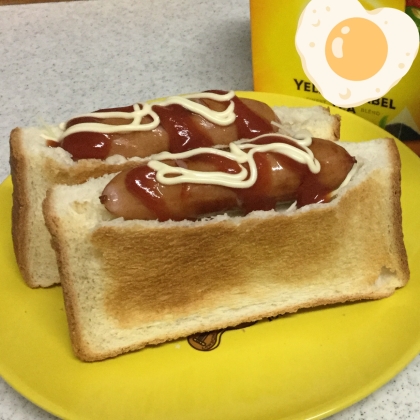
{"points": [[128, 284]]}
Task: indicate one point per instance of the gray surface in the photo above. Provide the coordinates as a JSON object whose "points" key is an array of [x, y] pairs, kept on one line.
{"points": [[58, 60]]}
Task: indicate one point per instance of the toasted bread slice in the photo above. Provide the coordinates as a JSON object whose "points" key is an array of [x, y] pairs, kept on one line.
{"points": [[128, 284]]}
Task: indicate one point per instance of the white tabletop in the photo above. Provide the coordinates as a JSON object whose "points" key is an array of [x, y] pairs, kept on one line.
{"points": [[61, 59]]}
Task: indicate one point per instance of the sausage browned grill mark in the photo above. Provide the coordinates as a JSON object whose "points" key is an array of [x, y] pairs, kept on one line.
{"points": [[179, 130], [136, 194]]}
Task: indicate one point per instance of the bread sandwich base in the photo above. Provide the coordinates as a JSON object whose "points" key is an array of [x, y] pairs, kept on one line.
{"points": [[128, 284], [35, 167]]}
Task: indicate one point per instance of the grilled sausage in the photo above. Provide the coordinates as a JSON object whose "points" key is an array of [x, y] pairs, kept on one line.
{"points": [[136, 194]]}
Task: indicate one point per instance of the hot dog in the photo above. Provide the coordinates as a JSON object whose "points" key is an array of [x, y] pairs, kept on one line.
{"points": [[176, 124], [132, 283], [137, 194]]}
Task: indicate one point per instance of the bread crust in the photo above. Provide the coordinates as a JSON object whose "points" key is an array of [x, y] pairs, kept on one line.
{"points": [[336, 127], [336, 124], [20, 207], [53, 225], [398, 247], [184, 273]]}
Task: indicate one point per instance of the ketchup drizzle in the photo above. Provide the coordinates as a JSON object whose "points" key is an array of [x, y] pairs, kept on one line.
{"points": [[248, 123], [257, 197], [312, 191], [86, 145], [184, 133], [129, 108], [82, 120], [52, 143]]}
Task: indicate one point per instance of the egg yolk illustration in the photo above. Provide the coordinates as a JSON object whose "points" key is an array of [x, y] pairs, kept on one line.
{"points": [[353, 55], [356, 49]]}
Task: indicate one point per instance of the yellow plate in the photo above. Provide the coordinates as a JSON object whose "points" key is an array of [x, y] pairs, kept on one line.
{"points": [[307, 365]]}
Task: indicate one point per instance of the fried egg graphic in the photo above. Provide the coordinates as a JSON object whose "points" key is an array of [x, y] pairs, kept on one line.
{"points": [[353, 55]]}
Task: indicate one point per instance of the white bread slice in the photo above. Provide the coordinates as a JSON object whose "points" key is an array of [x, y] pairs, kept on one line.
{"points": [[128, 284], [317, 120], [36, 167]]}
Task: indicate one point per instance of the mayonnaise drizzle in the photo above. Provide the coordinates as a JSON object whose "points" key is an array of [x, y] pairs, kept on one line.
{"points": [[241, 151], [222, 118]]}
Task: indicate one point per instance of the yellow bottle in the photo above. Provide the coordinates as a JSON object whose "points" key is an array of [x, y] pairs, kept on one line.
{"points": [[277, 66]]}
